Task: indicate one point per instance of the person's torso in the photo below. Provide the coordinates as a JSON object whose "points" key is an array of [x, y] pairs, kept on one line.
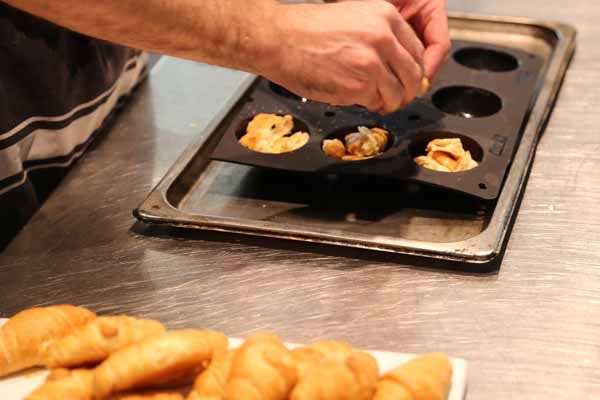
{"points": [[57, 87]]}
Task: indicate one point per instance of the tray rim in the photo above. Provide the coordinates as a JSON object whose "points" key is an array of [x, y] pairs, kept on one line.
{"points": [[480, 249]]}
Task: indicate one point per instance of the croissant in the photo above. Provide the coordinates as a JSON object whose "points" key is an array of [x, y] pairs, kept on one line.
{"points": [[22, 337], [64, 384], [338, 375], [262, 369], [96, 340], [306, 356], [150, 395], [210, 384], [424, 378], [173, 358]]}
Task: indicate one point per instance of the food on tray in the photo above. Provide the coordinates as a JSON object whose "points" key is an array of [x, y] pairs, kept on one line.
{"points": [[175, 357], [447, 155], [262, 368], [152, 395], [331, 371], [65, 384], [361, 145], [24, 336], [210, 384], [425, 84], [425, 377], [95, 341], [156, 365], [270, 133]]}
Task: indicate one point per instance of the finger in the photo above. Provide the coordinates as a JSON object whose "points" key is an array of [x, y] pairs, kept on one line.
{"points": [[370, 99], [435, 56], [391, 90], [408, 39], [406, 70], [437, 41]]}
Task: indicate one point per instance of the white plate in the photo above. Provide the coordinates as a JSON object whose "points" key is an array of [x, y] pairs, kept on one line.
{"points": [[18, 386]]}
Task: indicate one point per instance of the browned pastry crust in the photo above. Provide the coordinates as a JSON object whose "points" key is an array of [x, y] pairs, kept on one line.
{"points": [[361, 145], [424, 378], [334, 371], [425, 85], [334, 148], [270, 133], [163, 394], [64, 384], [95, 341], [262, 368], [170, 359], [447, 155], [24, 335], [210, 384]]}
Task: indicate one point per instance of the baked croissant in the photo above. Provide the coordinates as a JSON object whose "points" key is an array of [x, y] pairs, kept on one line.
{"points": [[173, 358], [150, 395], [306, 356], [262, 369], [424, 378], [23, 336], [334, 371], [96, 340], [64, 384], [210, 384]]}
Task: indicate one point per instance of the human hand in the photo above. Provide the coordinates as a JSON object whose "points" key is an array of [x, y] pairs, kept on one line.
{"points": [[430, 21], [356, 52]]}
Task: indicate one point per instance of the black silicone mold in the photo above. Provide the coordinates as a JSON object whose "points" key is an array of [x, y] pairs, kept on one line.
{"points": [[482, 95]]}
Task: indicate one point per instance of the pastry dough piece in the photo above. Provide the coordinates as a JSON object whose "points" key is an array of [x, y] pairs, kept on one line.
{"points": [[424, 378], [334, 148], [210, 384], [23, 336], [466, 162], [96, 340], [381, 136], [425, 85], [452, 146], [285, 144], [361, 145], [171, 359], [262, 369], [447, 155], [64, 384], [444, 159], [366, 142], [338, 375], [430, 163], [270, 133]]}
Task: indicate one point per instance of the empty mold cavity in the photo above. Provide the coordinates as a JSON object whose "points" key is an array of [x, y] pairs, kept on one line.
{"points": [[467, 101], [486, 59]]}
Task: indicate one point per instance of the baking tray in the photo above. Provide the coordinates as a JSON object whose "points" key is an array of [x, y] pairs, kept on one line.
{"points": [[380, 212], [485, 89]]}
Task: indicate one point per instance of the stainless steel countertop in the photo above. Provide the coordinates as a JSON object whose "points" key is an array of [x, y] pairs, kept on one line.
{"points": [[530, 331]]}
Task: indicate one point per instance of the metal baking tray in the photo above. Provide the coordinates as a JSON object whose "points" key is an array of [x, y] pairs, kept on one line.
{"points": [[423, 213], [485, 89]]}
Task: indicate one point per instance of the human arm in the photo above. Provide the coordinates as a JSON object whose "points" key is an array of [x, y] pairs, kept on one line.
{"points": [[357, 53]]}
